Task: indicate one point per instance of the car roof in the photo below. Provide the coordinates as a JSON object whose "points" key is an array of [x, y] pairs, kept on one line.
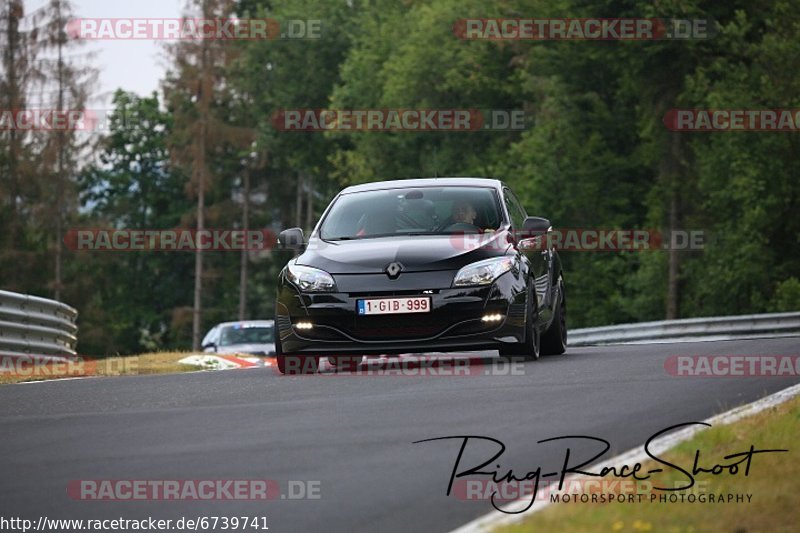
{"points": [[424, 182], [247, 323]]}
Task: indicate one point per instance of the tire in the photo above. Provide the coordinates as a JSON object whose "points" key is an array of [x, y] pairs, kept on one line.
{"points": [[554, 340], [294, 364], [529, 349]]}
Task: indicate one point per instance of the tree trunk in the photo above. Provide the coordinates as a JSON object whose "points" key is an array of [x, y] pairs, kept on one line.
{"points": [[245, 229], [671, 166], [200, 171], [310, 203], [14, 151], [299, 205], [198, 269], [673, 275], [60, 167]]}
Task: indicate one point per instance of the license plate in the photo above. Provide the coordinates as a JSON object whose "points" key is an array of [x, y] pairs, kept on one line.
{"points": [[390, 306]]}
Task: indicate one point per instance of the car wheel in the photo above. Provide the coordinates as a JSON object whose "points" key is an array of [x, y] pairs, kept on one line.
{"points": [[554, 340], [529, 349], [294, 364]]}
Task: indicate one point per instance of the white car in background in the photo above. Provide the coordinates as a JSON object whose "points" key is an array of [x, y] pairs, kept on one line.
{"points": [[255, 337]]}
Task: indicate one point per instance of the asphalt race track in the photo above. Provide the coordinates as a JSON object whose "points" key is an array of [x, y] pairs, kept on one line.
{"points": [[353, 434]]}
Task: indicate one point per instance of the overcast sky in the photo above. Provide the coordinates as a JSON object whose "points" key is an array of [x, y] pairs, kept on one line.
{"points": [[133, 65]]}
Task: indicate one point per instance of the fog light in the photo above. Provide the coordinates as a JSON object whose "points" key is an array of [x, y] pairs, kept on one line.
{"points": [[494, 317], [304, 325]]}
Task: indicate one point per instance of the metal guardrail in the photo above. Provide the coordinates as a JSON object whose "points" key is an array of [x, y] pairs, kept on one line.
{"points": [[30, 325], [704, 328]]}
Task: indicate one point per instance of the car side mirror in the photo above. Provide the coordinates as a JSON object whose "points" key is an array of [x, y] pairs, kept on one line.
{"points": [[532, 230], [292, 239], [209, 346], [536, 226]]}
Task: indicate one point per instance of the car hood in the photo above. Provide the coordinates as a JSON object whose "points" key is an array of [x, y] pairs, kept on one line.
{"points": [[416, 254], [255, 349]]}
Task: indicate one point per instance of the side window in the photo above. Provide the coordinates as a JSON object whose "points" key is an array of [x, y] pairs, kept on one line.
{"points": [[515, 210]]}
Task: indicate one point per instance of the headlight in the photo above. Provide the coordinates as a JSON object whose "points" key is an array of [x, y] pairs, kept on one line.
{"points": [[483, 272], [310, 279]]}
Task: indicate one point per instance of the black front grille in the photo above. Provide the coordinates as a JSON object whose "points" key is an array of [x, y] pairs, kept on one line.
{"points": [[404, 326]]}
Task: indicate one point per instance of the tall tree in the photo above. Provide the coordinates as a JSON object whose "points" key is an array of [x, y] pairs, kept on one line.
{"points": [[17, 75], [250, 162], [131, 184], [65, 84], [289, 74], [196, 93], [748, 183], [406, 55]]}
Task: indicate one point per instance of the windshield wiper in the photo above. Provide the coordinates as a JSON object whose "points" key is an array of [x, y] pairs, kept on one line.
{"points": [[362, 237], [377, 235]]}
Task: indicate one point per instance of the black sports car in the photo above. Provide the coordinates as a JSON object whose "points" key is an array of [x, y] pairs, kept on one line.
{"points": [[419, 265]]}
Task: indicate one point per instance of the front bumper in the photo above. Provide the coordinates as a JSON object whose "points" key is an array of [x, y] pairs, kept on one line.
{"points": [[454, 323]]}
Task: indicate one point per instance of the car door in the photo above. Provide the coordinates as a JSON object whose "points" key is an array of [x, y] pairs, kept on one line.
{"points": [[538, 254]]}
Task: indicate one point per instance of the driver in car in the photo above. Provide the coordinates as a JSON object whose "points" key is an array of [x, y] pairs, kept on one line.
{"points": [[464, 212]]}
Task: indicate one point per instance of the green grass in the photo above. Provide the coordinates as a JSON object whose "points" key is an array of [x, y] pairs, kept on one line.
{"points": [[773, 482]]}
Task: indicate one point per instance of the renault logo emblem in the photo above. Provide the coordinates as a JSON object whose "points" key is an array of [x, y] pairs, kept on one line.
{"points": [[393, 270]]}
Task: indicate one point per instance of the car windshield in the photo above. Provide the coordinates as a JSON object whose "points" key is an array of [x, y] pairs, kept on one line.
{"points": [[238, 334], [412, 211]]}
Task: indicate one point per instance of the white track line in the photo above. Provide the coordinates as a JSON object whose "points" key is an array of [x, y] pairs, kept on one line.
{"points": [[496, 518]]}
